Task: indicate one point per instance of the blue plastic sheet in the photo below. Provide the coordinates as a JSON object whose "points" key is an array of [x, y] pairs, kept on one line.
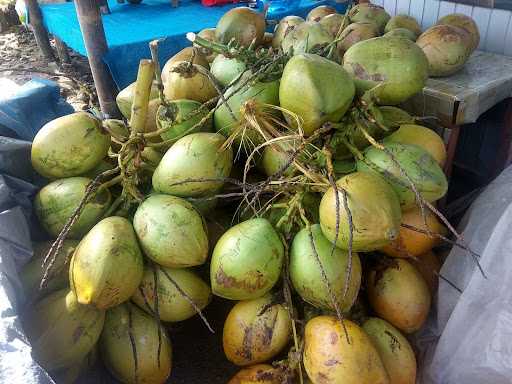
{"points": [[36, 103], [130, 27]]}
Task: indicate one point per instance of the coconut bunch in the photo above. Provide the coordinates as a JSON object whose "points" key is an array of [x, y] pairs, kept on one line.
{"points": [[323, 187]]}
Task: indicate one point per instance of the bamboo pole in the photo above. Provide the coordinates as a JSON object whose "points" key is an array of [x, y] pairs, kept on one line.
{"points": [[93, 34], [37, 26], [141, 96]]}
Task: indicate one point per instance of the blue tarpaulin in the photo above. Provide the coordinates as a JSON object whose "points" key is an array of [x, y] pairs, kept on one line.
{"points": [[129, 29], [34, 104]]}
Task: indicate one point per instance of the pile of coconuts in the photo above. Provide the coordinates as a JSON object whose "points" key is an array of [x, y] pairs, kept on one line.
{"points": [[275, 171]]}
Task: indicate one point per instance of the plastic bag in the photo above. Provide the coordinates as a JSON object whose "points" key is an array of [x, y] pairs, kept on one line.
{"points": [[468, 338]]}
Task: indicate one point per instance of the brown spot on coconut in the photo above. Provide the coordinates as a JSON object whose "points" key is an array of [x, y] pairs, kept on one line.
{"points": [[447, 49], [255, 331], [464, 22], [186, 54], [243, 25], [285, 26], [318, 13]]}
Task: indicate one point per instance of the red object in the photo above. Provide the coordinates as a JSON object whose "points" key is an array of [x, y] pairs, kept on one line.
{"points": [[211, 3]]}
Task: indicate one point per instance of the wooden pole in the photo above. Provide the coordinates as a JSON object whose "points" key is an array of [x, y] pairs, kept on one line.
{"points": [[62, 51], [37, 26], [104, 9], [96, 46]]}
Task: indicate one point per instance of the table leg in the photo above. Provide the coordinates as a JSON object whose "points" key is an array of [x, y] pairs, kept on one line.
{"points": [[450, 150], [451, 147]]}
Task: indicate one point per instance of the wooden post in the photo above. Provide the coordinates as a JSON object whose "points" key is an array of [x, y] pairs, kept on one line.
{"points": [[62, 50], [37, 26], [104, 9], [96, 45]]}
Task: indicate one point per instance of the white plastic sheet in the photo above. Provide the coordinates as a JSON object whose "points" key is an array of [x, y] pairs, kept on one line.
{"points": [[468, 338]]}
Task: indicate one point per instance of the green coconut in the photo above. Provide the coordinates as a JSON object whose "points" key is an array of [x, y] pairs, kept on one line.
{"points": [[55, 203], [178, 117], [318, 13], [403, 21], [397, 65], [106, 267], [124, 98], [61, 331], [225, 69], [199, 156], [254, 94], [243, 25], [394, 350], [69, 146], [419, 165], [465, 22], [374, 207], [277, 156], [356, 32], [188, 81], [171, 232], [172, 305], [447, 49], [316, 89], [285, 26], [306, 273], [306, 37], [333, 22], [246, 261], [72, 374], [33, 272], [369, 13], [403, 33], [394, 117], [130, 344], [204, 205]]}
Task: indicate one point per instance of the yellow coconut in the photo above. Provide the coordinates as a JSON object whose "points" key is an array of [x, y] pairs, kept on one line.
{"points": [[329, 358], [130, 335], [399, 294], [395, 351], [61, 331], [255, 331], [422, 137], [413, 243]]}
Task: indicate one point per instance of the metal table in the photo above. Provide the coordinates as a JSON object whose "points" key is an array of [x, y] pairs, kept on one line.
{"points": [[485, 81]]}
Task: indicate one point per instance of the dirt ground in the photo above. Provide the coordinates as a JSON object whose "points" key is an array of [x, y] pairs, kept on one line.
{"points": [[21, 60]]}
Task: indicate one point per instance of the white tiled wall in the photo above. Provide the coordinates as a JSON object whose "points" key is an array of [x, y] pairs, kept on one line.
{"points": [[495, 24]]}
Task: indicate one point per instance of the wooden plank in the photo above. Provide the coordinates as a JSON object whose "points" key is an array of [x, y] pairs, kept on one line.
{"points": [[430, 13], [508, 40], [390, 7], [416, 10], [464, 9], [497, 31], [482, 17], [402, 7], [445, 8]]}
